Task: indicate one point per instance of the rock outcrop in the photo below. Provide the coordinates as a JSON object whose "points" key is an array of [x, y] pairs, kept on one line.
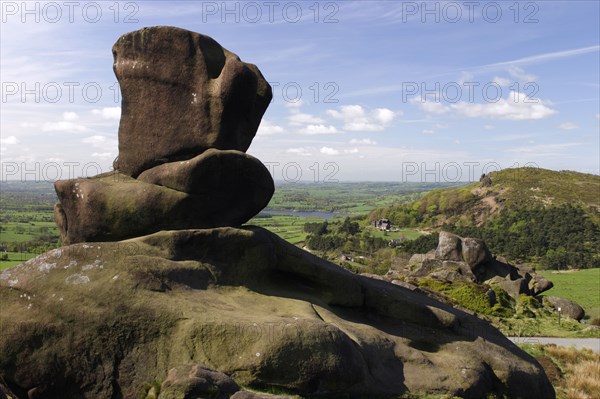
{"points": [[469, 259], [162, 301], [190, 109], [104, 320]]}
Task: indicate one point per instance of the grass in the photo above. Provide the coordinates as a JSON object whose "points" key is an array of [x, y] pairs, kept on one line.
{"points": [[581, 286], [409, 234], [15, 258], [290, 228], [574, 373]]}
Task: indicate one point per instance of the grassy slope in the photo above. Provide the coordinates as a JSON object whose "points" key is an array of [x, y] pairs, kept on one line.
{"points": [[581, 286], [511, 188]]}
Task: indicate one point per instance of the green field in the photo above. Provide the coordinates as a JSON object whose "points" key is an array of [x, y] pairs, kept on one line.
{"points": [[581, 286], [409, 234], [290, 228], [15, 258]]}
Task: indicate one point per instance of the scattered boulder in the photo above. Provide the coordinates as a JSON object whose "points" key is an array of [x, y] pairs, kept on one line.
{"points": [[475, 252], [449, 247], [514, 288], [567, 307], [538, 284], [472, 251], [182, 94]]}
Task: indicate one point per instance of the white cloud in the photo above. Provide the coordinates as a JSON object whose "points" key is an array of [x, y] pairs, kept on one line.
{"points": [[294, 105], [516, 107], [305, 152], [431, 107], [363, 141], [502, 81], [568, 126], [520, 74], [319, 129], [102, 155], [267, 128], [543, 150], [440, 125], [465, 77], [329, 151], [356, 118], [63, 126], [108, 112], [70, 116], [351, 151], [303, 119], [94, 140], [427, 131], [384, 115], [9, 140], [489, 127]]}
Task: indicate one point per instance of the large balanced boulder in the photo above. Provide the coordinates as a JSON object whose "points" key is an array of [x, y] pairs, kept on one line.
{"points": [[107, 319], [190, 109], [182, 93]]}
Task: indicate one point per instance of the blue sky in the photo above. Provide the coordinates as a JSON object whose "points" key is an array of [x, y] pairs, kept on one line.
{"points": [[368, 90]]}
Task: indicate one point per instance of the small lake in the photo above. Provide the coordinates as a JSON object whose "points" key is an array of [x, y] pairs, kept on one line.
{"points": [[304, 214]]}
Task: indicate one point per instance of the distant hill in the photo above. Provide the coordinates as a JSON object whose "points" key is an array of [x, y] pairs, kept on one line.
{"points": [[527, 214], [510, 189]]}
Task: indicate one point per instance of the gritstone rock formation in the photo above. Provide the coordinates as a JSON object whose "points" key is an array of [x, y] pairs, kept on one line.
{"points": [[469, 260], [196, 310], [190, 109]]}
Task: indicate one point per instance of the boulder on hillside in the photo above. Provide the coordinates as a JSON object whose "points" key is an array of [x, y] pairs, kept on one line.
{"points": [[475, 252], [449, 247], [567, 307], [538, 284], [105, 319], [182, 94]]}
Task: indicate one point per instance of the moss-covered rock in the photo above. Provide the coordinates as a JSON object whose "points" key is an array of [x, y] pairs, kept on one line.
{"points": [[101, 320]]}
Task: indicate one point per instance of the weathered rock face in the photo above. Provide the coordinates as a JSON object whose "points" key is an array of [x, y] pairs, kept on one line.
{"points": [[190, 110], [193, 381], [106, 319], [567, 308], [472, 251], [449, 247], [182, 94], [217, 188], [475, 252]]}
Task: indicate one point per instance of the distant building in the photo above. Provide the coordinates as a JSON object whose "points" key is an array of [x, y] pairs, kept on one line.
{"points": [[3, 249], [382, 224]]}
